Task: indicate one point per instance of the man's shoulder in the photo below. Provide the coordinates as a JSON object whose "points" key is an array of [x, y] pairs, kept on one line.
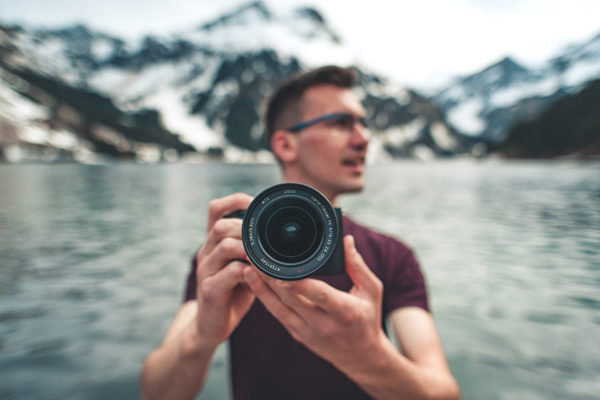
{"points": [[374, 238]]}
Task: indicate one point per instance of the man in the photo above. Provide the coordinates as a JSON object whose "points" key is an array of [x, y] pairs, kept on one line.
{"points": [[314, 338]]}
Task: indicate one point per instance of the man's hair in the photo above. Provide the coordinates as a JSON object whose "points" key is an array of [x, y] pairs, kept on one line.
{"points": [[284, 106]]}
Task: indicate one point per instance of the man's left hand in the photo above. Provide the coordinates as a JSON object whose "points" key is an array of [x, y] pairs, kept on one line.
{"points": [[342, 327]]}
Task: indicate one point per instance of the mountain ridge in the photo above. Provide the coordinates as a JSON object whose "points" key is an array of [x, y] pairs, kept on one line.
{"points": [[486, 104], [202, 87]]}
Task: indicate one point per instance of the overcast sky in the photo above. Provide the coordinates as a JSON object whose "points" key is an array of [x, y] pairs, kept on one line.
{"points": [[417, 42]]}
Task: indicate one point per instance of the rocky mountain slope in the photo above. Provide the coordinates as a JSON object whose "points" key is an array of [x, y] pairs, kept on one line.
{"points": [[81, 94], [569, 127], [485, 105]]}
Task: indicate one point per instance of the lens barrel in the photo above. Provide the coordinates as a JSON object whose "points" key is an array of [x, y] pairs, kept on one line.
{"points": [[290, 231]]}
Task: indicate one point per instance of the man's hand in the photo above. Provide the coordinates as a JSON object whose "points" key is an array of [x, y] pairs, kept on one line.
{"points": [[178, 368], [223, 297], [343, 328]]}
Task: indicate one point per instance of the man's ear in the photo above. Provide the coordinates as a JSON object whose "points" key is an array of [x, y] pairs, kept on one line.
{"points": [[284, 146]]}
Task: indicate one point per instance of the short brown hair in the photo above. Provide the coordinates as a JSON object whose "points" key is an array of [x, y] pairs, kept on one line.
{"points": [[283, 107]]}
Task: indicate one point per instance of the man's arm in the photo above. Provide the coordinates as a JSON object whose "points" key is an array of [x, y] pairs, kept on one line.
{"points": [[345, 329], [178, 368], [421, 366]]}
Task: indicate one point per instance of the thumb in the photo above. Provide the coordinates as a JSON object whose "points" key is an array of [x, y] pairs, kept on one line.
{"points": [[362, 277]]}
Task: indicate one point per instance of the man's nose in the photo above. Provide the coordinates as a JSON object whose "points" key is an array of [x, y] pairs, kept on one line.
{"points": [[360, 135]]}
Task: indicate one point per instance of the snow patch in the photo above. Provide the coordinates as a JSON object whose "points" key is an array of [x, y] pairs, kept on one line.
{"points": [[456, 93], [101, 49], [111, 80], [151, 79], [511, 95], [176, 118], [465, 116], [15, 107], [63, 139], [399, 136], [287, 35], [492, 75], [441, 136], [423, 153], [581, 72], [34, 134]]}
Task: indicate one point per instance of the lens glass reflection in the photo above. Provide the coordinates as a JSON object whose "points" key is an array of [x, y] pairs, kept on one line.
{"points": [[290, 231]]}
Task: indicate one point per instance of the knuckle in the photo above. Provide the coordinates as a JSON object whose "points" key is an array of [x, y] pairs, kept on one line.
{"points": [[200, 272], [285, 285], [350, 314], [229, 245], [287, 298], [207, 290], [258, 287], [221, 227], [199, 256], [378, 285], [322, 299], [213, 206], [326, 330], [240, 197], [201, 268], [238, 269]]}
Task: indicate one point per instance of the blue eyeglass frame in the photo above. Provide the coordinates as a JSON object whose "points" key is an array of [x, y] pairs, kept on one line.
{"points": [[326, 117]]}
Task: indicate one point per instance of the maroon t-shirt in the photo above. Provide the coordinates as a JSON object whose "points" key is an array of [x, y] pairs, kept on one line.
{"points": [[267, 363]]}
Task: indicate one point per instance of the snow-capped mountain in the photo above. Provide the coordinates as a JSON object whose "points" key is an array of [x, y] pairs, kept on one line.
{"points": [[196, 90], [570, 127], [488, 103]]}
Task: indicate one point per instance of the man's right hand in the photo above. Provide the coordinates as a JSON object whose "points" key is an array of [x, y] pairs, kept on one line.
{"points": [[178, 368], [223, 297]]}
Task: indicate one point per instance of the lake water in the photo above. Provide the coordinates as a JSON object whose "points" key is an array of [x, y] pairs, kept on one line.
{"points": [[93, 261]]}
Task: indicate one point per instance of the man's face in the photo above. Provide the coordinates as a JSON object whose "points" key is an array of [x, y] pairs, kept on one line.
{"points": [[331, 154]]}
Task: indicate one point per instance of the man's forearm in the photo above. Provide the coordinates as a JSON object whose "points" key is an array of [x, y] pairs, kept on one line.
{"points": [[177, 369], [387, 374]]}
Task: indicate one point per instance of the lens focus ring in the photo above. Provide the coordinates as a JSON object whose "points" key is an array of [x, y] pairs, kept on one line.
{"points": [[289, 231]]}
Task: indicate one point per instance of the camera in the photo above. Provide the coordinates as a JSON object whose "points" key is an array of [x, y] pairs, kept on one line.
{"points": [[291, 231]]}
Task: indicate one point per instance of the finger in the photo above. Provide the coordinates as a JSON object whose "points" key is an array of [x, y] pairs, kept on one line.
{"points": [[304, 294], [228, 249], [291, 294], [364, 280], [288, 317], [223, 228], [243, 298], [223, 206], [218, 288]]}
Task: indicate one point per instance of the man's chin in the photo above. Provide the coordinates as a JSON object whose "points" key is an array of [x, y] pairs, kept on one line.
{"points": [[352, 187]]}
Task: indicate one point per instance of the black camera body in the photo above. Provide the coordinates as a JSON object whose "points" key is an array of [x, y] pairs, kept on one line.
{"points": [[291, 231]]}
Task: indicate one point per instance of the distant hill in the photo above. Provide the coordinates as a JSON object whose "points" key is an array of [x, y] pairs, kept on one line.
{"points": [[570, 126]]}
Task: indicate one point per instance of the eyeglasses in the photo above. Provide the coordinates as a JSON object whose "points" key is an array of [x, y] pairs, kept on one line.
{"points": [[343, 121]]}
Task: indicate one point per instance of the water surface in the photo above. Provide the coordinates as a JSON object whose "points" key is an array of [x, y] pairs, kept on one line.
{"points": [[93, 261]]}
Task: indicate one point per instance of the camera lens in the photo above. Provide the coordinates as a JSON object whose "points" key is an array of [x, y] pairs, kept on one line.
{"points": [[290, 231]]}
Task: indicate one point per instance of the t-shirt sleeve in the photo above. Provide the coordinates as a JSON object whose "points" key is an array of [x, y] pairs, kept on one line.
{"points": [[190, 288], [406, 284]]}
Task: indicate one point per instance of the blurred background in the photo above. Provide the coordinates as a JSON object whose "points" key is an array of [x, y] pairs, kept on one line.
{"points": [[120, 121]]}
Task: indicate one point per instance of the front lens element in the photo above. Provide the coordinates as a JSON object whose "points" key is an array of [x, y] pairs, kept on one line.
{"points": [[289, 231]]}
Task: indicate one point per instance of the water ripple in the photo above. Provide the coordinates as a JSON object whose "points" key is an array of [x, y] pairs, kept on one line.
{"points": [[93, 260]]}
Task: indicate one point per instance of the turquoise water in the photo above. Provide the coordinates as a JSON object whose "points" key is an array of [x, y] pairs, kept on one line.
{"points": [[93, 261]]}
